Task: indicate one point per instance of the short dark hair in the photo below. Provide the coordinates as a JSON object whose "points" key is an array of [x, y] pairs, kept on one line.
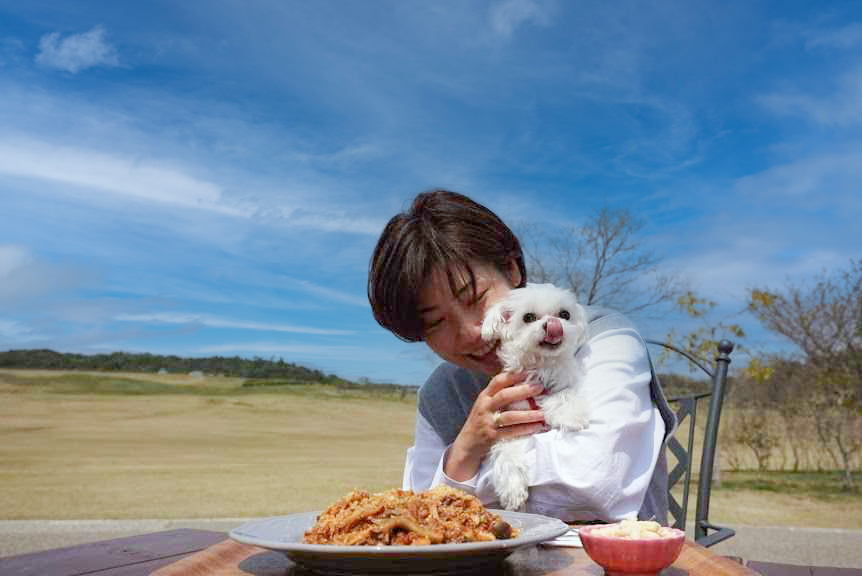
{"points": [[441, 227]]}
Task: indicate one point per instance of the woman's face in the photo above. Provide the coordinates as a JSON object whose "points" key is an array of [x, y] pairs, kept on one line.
{"points": [[453, 321]]}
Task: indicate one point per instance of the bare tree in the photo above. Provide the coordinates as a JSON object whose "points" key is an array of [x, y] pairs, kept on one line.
{"points": [[603, 262], [750, 429], [786, 383], [824, 320]]}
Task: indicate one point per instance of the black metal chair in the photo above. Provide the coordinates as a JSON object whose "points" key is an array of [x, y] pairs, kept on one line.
{"points": [[705, 533]]}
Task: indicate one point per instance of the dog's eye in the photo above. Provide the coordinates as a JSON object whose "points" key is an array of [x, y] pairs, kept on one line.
{"points": [[529, 317], [564, 314]]}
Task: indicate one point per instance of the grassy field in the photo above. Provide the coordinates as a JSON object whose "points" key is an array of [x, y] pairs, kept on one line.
{"points": [[97, 445]]}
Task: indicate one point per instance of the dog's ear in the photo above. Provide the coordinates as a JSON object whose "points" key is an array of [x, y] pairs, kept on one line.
{"points": [[495, 321]]}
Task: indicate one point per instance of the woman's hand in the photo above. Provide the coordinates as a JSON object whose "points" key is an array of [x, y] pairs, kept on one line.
{"points": [[487, 423]]}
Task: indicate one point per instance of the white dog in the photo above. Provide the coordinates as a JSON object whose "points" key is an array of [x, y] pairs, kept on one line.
{"points": [[539, 328]]}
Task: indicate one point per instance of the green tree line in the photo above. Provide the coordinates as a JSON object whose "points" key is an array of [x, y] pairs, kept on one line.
{"points": [[256, 371], [127, 362]]}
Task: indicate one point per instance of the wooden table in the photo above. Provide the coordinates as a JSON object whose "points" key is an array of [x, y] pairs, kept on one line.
{"points": [[206, 553]]}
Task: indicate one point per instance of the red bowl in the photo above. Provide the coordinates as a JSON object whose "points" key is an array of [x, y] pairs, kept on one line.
{"points": [[629, 557]]}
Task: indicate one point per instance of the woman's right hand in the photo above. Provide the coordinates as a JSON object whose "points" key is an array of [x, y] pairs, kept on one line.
{"points": [[488, 422]]}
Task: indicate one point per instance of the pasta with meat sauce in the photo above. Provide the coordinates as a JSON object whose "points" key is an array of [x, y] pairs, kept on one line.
{"points": [[441, 515]]}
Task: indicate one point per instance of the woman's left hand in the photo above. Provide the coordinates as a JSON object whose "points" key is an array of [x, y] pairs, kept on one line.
{"points": [[487, 423]]}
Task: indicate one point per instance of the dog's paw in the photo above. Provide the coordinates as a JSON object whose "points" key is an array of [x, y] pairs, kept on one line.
{"points": [[571, 418], [511, 479], [577, 425], [512, 493]]}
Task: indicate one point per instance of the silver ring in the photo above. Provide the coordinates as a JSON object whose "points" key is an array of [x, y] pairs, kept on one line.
{"points": [[497, 415]]}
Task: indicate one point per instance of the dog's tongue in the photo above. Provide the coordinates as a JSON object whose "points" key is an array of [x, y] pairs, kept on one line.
{"points": [[553, 331]]}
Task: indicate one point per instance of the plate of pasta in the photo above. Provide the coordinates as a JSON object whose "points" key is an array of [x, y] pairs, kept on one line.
{"points": [[397, 532]]}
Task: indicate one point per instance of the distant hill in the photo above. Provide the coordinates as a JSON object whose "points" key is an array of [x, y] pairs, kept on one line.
{"points": [[257, 371], [122, 361], [274, 371]]}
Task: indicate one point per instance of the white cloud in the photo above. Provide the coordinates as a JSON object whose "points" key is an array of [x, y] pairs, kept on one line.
{"points": [[345, 157], [331, 221], [24, 277], [77, 52], [12, 258], [353, 353], [157, 181], [329, 293], [215, 322], [127, 176], [725, 275], [840, 108], [16, 332], [789, 221], [833, 180], [507, 16], [843, 38], [11, 51]]}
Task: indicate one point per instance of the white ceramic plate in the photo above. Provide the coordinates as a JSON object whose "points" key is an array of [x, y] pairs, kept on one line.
{"points": [[284, 534]]}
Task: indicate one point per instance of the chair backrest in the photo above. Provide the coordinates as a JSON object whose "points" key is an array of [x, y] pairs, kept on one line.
{"points": [[705, 533]]}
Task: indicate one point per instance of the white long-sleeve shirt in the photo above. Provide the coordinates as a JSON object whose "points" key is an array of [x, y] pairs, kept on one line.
{"points": [[600, 473]]}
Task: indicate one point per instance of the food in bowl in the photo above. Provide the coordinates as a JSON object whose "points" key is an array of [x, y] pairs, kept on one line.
{"points": [[630, 547], [441, 515], [636, 530]]}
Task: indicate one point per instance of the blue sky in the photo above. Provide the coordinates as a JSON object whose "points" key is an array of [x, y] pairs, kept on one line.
{"points": [[201, 178]]}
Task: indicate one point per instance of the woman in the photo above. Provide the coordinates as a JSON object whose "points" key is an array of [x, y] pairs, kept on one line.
{"points": [[435, 271]]}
